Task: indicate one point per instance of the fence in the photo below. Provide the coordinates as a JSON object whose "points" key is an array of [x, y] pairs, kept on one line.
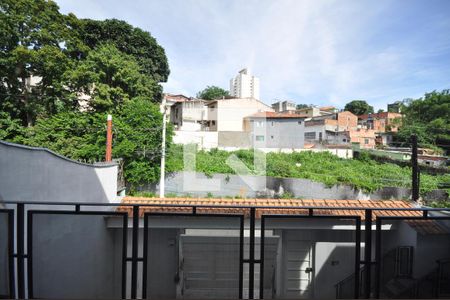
{"points": [[87, 250]]}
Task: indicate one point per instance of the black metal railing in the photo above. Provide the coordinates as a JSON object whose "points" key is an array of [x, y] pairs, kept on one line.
{"points": [[131, 239]]}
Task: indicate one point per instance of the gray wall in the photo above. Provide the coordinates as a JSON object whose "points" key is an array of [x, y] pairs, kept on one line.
{"points": [[74, 257], [4, 273], [239, 139], [37, 174], [269, 187], [279, 133]]}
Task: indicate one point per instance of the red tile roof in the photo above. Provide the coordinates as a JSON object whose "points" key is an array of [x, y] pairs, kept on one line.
{"points": [[276, 115], [266, 206]]}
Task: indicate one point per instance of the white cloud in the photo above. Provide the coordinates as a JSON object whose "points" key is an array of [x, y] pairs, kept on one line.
{"points": [[310, 51]]}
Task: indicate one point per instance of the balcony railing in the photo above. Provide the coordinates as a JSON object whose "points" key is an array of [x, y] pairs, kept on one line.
{"points": [[134, 251]]}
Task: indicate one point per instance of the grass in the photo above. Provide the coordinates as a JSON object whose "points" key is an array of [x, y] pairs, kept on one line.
{"points": [[364, 174]]}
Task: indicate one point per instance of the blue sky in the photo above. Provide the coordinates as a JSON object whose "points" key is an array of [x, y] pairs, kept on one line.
{"points": [[314, 52]]}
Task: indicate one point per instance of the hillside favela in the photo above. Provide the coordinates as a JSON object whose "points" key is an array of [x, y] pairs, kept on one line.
{"points": [[224, 149]]}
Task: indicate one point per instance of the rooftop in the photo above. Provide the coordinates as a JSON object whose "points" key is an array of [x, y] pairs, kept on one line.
{"points": [[271, 206], [276, 115]]}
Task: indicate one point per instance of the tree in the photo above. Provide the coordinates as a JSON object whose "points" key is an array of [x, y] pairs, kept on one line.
{"points": [[212, 93], [380, 111], [82, 136], [110, 78], [130, 40], [427, 117], [359, 107], [35, 40]]}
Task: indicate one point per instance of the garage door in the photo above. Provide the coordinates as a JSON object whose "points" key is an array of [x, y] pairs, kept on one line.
{"points": [[210, 267], [297, 262]]}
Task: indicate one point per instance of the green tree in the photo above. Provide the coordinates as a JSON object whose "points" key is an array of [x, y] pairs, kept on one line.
{"points": [[110, 78], [212, 93], [130, 40], [35, 40], [137, 130], [359, 107], [427, 117]]}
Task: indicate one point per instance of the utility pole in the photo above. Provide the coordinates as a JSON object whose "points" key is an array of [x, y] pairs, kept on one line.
{"points": [[163, 151], [415, 169], [108, 155]]}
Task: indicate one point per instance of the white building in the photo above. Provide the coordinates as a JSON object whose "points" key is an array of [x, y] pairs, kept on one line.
{"points": [[244, 85]]}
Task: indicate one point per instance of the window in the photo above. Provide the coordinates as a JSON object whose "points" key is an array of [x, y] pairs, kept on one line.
{"points": [[366, 141], [259, 138], [271, 137], [299, 122], [310, 135], [272, 123], [259, 124], [213, 123]]}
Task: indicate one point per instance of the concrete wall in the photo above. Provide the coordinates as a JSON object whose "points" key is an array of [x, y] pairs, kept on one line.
{"points": [[278, 133], [235, 139], [74, 257], [268, 187], [37, 174], [204, 139]]}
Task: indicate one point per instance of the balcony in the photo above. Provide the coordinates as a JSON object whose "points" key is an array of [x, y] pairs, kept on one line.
{"points": [[224, 248]]}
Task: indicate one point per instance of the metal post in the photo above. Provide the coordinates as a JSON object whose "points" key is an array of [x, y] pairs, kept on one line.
{"points": [[12, 286], [378, 259], [415, 169], [261, 264], [108, 154], [134, 252], [241, 257], [163, 152], [251, 281], [357, 257], [368, 252], [21, 250]]}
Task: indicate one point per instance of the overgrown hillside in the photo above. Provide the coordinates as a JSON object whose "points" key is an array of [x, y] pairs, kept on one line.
{"points": [[364, 174]]}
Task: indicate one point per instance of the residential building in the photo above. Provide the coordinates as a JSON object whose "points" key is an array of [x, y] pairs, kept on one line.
{"points": [[276, 130], [381, 122], [229, 114], [314, 111], [284, 106], [244, 85], [330, 128], [189, 115]]}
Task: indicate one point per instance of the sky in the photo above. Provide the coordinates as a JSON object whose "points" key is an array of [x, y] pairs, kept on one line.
{"points": [[320, 52]]}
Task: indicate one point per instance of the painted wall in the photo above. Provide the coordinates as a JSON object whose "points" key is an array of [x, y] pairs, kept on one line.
{"points": [[37, 174], [204, 139], [74, 257], [4, 273], [278, 133], [267, 187]]}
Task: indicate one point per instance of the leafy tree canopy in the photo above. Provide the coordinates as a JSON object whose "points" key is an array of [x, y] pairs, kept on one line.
{"points": [[300, 106], [212, 93], [110, 78], [359, 107], [130, 40], [427, 117], [50, 63]]}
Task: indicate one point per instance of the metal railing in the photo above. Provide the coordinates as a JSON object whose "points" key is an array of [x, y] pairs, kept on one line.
{"points": [[22, 255]]}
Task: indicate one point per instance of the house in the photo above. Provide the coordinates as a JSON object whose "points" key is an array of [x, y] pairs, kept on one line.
{"points": [[381, 122], [276, 130], [190, 115], [284, 106], [229, 114], [308, 258], [314, 111]]}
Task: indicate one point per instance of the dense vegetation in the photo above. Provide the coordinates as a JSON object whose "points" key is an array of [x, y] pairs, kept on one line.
{"points": [[115, 67], [364, 174], [429, 118], [212, 93]]}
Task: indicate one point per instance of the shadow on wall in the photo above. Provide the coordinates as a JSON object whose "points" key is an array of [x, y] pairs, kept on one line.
{"points": [[38, 174]]}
